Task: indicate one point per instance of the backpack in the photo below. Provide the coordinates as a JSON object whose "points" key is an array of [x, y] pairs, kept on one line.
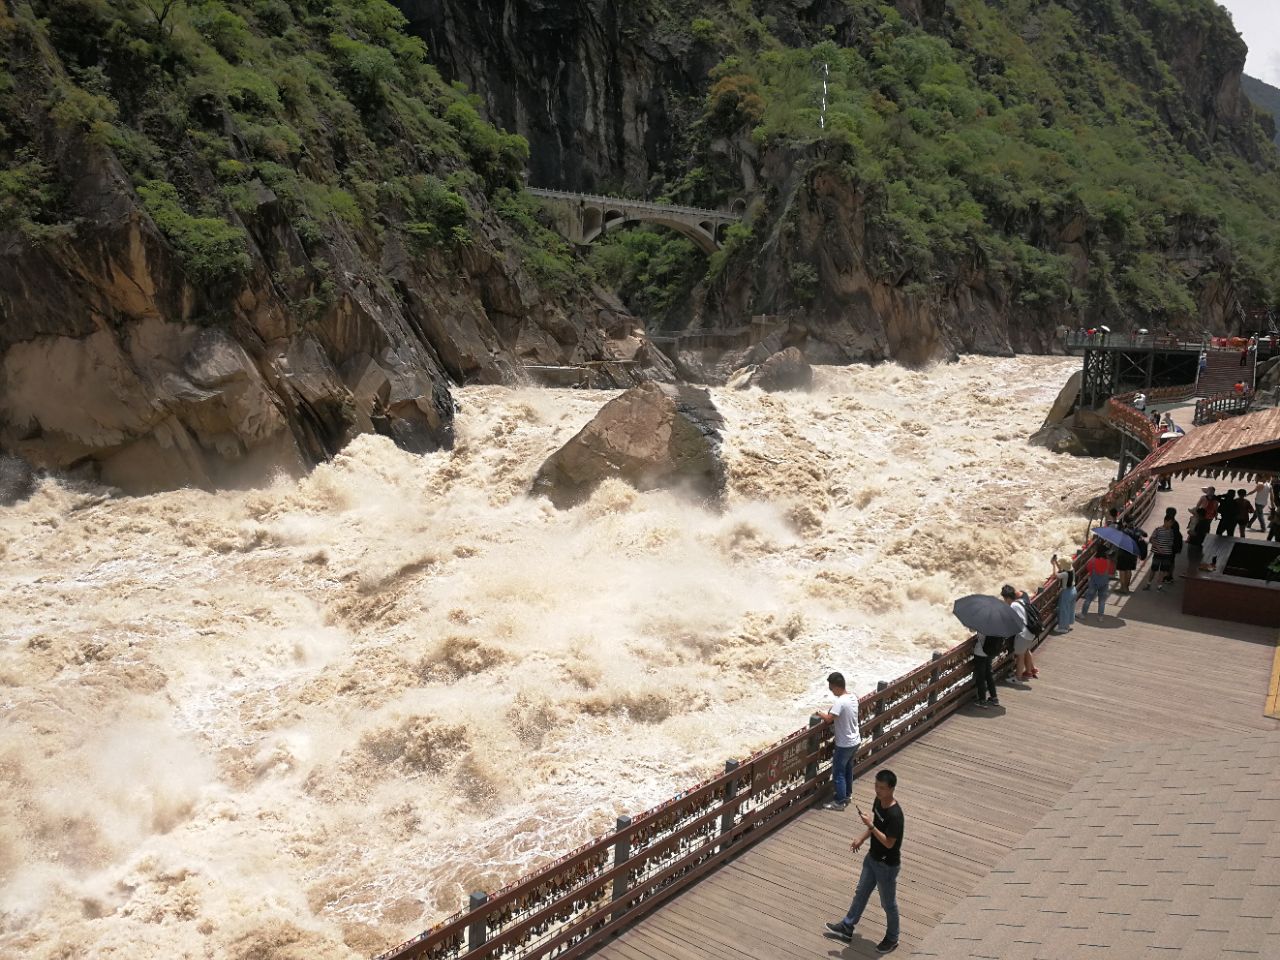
{"points": [[1140, 540], [1177, 541], [1034, 623]]}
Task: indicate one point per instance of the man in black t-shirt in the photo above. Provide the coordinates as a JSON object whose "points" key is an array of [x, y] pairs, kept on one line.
{"points": [[880, 868]]}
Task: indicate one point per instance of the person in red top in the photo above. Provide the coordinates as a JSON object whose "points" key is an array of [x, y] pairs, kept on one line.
{"points": [[1098, 571]]}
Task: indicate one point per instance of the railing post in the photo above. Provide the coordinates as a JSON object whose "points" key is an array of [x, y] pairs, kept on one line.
{"points": [[880, 688], [478, 931], [730, 791], [811, 771], [933, 678], [621, 854]]}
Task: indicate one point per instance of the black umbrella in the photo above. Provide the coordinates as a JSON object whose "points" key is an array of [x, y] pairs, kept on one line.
{"points": [[987, 615]]}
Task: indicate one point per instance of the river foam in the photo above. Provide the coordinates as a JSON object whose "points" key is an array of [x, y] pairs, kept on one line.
{"points": [[302, 721]]}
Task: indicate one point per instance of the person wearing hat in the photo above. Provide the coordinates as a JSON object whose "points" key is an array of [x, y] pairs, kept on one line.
{"points": [[1208, 502], [1066, 574]]}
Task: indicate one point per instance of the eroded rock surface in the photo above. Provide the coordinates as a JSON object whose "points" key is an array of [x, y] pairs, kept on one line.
{"points": [[785, 370], [653, 436]]}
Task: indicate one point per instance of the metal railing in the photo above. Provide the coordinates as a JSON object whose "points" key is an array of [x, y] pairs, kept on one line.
{"points": [[1147, 341], [568, 907]]}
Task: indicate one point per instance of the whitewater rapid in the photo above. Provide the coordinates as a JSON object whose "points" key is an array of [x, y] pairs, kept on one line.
{"points": [[305, 720]]}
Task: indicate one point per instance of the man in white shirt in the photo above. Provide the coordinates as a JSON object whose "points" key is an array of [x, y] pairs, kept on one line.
{"points": [[843, 717]]}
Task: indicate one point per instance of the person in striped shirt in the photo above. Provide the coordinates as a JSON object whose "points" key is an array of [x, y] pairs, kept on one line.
{"points": [[1162, 542]]}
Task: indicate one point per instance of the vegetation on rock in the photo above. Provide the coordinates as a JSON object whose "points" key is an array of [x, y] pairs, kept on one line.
{"points": [[217, 108], [993, 136]]}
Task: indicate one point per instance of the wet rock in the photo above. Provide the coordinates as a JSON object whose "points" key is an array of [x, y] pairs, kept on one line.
{"points": [[1065, 401], [17, 479], [785, 370], [653, 436]]}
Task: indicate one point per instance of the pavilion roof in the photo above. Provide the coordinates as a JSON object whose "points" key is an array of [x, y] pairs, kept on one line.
{"points": [[1238, 446]]}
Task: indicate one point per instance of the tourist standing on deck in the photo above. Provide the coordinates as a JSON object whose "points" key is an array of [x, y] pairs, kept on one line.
{"points": [[1203, 365], [1066, 574], [880, 868], [1209, 502], [1261, 497], [1099, 571], [1198, 530], [1226, 513], [843, 717], [1162, 544], [986, 649], [1244, 511], [1127, 562], [1024, 667]]}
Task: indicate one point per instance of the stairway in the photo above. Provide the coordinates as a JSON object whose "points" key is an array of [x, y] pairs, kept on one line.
{"points": [[1224, 371]]}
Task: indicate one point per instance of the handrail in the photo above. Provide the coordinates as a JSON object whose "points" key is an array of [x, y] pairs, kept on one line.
{"points": [[568, 907], [1077, 338], [650, 205], [1219, 406]]}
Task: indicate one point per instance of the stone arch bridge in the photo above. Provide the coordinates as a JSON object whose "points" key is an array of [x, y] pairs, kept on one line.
{"points": [[584, 217]]}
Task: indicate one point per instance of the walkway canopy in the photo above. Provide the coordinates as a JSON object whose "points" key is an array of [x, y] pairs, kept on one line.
{"points": [[1241, 447]]}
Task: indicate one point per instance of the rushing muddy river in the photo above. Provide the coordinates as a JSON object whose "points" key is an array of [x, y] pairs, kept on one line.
{"points": [[302, 721]]}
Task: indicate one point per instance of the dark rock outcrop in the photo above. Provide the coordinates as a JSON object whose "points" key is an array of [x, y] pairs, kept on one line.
{"points": [[17, 480], [652, 436]]}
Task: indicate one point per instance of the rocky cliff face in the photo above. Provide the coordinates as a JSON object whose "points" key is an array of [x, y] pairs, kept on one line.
{"points": [[602, 91], [608, 94], [120, 360]]}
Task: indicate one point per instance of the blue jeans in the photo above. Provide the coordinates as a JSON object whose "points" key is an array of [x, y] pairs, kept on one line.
{"points": [[842, 773], [1099, 585], [1066, 608], [884, 877]]}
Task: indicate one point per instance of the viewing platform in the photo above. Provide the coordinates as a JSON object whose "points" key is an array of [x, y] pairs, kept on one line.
{"points": [[980, 791]]}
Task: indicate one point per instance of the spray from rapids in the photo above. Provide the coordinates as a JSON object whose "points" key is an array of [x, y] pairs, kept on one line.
{"points": [[301, 721]]}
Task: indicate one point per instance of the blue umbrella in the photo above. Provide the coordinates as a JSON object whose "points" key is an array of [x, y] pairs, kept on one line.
{"points": [[987, 615], [1117, 538]]}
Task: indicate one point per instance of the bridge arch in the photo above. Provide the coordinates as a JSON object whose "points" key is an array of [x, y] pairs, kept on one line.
{"points": [[583, 217], [702, 234]]}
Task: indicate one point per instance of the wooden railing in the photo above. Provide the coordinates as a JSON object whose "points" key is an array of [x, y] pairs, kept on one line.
{"points": [[1222, 405], [568, 907]]}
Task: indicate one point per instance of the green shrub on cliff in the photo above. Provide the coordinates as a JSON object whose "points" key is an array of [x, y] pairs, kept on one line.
{"points": [[212, 250], [327, 112], [977, 135]]}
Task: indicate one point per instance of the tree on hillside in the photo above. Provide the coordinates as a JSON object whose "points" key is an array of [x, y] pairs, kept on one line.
{"points": [[160, 10]]}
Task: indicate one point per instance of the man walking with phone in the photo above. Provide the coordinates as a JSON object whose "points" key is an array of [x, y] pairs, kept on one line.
{"points": [[880, 867]]}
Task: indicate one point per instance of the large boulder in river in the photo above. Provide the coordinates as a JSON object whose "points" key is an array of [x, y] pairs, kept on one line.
{"points": [[1084, 433], [653, 436], [785, 370]]}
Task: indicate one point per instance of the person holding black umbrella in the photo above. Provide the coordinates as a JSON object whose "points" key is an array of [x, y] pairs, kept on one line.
{"points": [[994, 623]]}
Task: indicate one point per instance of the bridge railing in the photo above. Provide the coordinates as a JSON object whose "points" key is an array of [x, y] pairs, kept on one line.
{"points": [[604, 201], [1077, 339], [569, 907], [1222, 405]]}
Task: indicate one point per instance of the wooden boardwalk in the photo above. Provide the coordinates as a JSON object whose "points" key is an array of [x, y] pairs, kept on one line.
{"points": [[974, 787]]}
